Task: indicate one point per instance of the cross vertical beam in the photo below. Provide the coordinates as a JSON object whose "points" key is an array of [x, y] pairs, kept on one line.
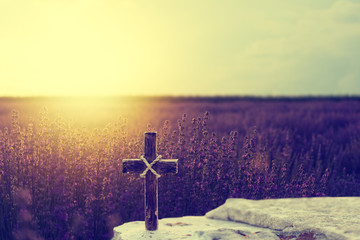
{"points": [[151, 184], [150, 166]]}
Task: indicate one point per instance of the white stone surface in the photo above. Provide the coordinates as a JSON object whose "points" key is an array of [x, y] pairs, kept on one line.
{"points": [[192, 227], [302, 218], [336, 218]]}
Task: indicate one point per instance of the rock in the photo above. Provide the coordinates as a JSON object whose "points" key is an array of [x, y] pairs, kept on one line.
{"points": [[231, 234], [334, 218], [192, 227], [273, 219]]}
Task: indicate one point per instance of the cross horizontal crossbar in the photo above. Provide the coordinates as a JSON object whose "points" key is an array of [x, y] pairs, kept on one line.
{"points": [[164, 166]]}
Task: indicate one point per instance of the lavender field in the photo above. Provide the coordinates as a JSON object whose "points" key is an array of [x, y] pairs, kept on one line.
{"points": [[61, 171]]}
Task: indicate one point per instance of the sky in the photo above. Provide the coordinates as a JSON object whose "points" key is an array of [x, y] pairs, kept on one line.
{"points": [[172, 47]]}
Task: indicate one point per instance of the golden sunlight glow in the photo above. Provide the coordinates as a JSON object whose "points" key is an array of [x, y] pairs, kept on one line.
{"points": [[86, 48], [108, 47], [87, 111]]}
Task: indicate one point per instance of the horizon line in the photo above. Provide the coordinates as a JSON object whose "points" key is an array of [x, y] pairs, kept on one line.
{"points": [[199, 96]]}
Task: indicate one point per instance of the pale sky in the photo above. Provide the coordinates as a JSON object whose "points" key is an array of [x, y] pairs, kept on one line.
{"points": [[179, 47]]}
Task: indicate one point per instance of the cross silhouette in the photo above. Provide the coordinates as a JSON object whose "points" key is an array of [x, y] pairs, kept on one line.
{"points": [[150, 166]]}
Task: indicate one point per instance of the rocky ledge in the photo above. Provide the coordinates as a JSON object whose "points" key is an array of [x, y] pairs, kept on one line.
{"points": [[280, 219]]}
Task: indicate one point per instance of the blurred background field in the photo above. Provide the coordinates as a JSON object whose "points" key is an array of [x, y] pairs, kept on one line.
{"points": [[60, 160], [228, 113]]}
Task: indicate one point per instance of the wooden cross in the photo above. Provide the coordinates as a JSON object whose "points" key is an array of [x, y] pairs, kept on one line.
{"points": [[150, 166]]}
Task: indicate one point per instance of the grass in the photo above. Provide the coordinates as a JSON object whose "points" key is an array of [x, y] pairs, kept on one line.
{"points": [[61, 179]]}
